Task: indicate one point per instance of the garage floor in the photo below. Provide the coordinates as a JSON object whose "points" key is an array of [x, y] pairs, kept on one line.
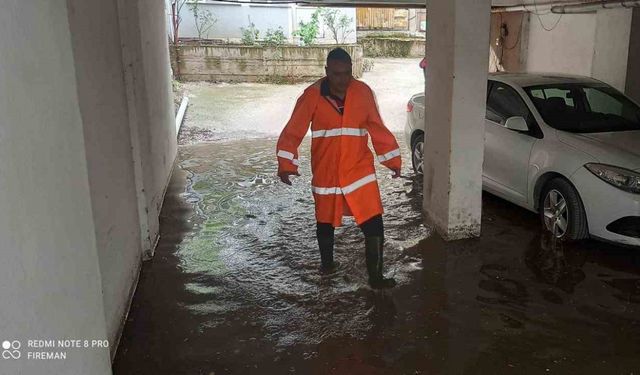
{"points": [[234, 287]]}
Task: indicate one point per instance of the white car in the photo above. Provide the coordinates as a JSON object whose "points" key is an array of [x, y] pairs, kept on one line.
{"points": [[566, 147]]}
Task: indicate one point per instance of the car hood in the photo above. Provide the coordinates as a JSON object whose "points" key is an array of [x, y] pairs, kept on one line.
{"points": [[621, 149]]}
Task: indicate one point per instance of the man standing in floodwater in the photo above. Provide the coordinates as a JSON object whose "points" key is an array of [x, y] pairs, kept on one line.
{"points": [[343, 113]]}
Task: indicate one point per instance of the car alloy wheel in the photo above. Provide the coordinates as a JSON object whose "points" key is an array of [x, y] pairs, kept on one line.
{"points": [[417, 156], [556, 213]]}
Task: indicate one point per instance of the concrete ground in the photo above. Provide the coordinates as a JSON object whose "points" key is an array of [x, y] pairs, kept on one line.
{"points": [[222, 111], [234, 286]]}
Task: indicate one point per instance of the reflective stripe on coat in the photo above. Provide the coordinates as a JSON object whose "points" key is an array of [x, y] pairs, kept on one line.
{"points": [[344, 180]]}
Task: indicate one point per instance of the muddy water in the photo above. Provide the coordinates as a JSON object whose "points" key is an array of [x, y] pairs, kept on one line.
{"points": [[234, 287], [257, 248]]}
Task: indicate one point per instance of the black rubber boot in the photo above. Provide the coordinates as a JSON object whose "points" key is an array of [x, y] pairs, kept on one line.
{"points": [[325, 244], [374, 251]]}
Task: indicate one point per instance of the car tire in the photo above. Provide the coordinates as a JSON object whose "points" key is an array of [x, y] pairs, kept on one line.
{"points": [[562, 212], [417, 151]]}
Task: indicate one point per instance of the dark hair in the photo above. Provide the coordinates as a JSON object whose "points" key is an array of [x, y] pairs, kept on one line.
{"points": [[339, 54]]}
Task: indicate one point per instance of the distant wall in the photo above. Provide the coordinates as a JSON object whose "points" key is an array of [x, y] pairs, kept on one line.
{"points": [[230, 63], [231, 17], [392, 47]]}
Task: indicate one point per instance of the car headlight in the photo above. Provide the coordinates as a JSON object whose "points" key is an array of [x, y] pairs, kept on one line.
{"points": [[621, 178]]}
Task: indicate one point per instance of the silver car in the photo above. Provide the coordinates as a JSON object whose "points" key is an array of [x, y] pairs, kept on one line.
{"points": [[565, 147]]}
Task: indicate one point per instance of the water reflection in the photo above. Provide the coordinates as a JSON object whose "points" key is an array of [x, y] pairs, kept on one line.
{"points": [[555, 262], [242, 294], [256, 248]]}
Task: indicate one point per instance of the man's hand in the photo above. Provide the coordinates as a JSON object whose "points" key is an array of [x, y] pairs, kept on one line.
{"points": [[284, 176], [396, 173]]}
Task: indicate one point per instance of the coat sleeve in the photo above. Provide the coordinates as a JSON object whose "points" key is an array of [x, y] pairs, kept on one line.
{"points": [[384, 143], [294, 132]]}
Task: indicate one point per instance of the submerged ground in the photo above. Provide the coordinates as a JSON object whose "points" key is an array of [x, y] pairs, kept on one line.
{"points": [[234, 286]]}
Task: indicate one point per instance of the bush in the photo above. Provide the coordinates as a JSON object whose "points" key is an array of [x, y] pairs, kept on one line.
{"points": [[275, 37], [308, 31], [367, 65], [250, 34]]}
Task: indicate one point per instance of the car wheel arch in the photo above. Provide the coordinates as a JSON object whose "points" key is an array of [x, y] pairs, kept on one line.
{"points": [[415, 135], [541, 182]]}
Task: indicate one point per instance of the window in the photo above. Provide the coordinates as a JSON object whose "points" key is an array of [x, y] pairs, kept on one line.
{"points": [[504, 102], [559, 93], [585, 107], [602, 102], [538, 94]]}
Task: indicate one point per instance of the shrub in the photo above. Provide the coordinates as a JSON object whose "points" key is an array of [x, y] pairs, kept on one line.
{"points": [[367, 65], [308, 31], [274, 37], [250, 34]]}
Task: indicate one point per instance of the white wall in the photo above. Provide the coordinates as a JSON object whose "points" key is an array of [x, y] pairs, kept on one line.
{"points": [[594, 45], [50, 284], [231, 17], [103, 106], [611, 52], [87, 145], [566, 49]]}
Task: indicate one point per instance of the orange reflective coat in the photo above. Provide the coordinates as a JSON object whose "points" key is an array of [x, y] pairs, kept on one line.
{"points": [[344, 180]]}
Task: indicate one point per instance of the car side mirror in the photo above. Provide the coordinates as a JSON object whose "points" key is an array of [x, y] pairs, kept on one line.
{"points": [[517, 123]]}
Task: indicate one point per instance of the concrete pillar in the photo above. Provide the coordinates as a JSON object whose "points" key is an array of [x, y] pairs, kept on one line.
{"points": [[50, 280], [147, 74], [457, 36], [633, 64]]}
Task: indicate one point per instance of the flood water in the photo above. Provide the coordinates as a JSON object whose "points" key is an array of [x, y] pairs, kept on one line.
{"points": [[235, 287]]}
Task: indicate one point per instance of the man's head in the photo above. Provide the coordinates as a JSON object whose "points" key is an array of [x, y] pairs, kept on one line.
{"points": [[338, 69]]}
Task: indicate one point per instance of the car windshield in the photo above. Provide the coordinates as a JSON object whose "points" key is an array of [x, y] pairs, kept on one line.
{"points": [[584, 107]]}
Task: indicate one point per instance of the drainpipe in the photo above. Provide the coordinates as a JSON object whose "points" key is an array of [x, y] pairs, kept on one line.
{"points": [[588, 8], [567, 7], [541, 6]]}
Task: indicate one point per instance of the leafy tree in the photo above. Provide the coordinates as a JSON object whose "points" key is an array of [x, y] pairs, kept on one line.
{"points": [[338, 25], [204, 19], [308, 31]]}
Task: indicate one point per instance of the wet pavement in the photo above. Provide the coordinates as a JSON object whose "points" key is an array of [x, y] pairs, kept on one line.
{"points": [[253, 110], [234, 287]]}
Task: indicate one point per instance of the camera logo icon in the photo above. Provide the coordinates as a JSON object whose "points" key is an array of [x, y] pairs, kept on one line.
{"points": [[11, 349]]}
